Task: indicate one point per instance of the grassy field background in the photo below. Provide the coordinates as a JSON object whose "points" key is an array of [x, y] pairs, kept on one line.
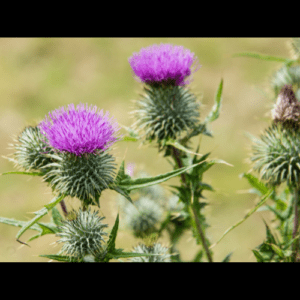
{"points": [[38, 75]]}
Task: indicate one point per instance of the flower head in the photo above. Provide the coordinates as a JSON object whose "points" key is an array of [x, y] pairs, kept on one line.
{"points": [[276, 155], [164, 63], [287, 108], [156, 248], [83, 235], [80, 130]]}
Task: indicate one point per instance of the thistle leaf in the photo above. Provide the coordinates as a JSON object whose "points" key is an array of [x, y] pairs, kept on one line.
{"points": [[112, 237], [60, 257], [265, 57], [180, 147], [132, 184], [259, 204], [24, 173], [215, 112], [39, 214]]}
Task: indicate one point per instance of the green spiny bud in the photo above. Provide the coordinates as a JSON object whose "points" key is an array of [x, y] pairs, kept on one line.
{"points": [[142, 217], [83, 236], [157, 248], [31, 151], [276, 155], [84, 177], [165, 112]]}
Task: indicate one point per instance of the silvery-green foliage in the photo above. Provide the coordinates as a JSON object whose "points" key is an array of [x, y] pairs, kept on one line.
{"points": [[276, 155], [31, 151], [156, 248], [83, 235], [142, 217], [164, 112], [84, 177]]}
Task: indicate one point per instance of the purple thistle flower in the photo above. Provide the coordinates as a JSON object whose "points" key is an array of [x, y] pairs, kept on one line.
{"points": [[80, 130], [164, 63]]}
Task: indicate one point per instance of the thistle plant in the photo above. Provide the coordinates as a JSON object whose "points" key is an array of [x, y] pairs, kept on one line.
{"points": [[168, 114], [275, 156], [70, 149]]}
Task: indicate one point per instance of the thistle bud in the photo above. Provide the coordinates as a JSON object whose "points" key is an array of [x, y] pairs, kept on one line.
{"points": [[83, 236], [287, 108], [142, 217], [156, 248], [31, 151], [276, 155]]}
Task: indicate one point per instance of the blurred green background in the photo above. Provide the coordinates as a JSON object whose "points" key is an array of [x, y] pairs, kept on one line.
{"points": [[38, 75]]}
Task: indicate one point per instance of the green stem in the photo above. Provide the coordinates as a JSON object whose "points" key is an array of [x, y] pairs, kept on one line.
{"points": [[296, 223], [63, 207], [200, 232], [193, 213]]}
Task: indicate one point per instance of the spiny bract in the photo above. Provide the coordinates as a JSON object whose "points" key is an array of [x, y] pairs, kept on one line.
{"points": [[31, 151], [166, 112], [84, 177], [156, 248], [276, 155], [83, 235], [142, 217]]}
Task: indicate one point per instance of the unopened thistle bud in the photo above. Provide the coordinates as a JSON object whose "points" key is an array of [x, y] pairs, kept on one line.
{"points": [[276, 155], [167, 108], [80, 137], [143, 216], [156, 248], [83, 236], [287, 108], [31, 151]]}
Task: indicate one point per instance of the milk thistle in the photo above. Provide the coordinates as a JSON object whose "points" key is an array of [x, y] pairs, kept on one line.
{"points": [[81, 138]]}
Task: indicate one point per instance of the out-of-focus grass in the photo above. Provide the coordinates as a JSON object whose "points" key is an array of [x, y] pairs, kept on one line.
{"points": [[42, 74]]}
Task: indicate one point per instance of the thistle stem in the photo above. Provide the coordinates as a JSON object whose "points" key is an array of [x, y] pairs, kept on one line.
{"points": [[63, 207], [176, 155], [201, 234], [296, 222]]}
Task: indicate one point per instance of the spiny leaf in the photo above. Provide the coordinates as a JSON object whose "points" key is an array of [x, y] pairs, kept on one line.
{"points": [[258, 256], [265, 57], [180, 147], [18, 223], [227, 258], [56, 216], [132, 184], [215, 112], [24, 173], [39, 214], [260, 203], [112, 237], [256, 183], [60, 257]]}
